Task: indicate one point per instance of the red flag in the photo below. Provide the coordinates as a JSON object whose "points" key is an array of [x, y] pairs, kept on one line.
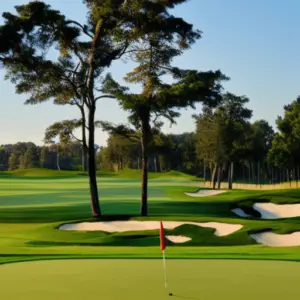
{"points": [[162, 237]]}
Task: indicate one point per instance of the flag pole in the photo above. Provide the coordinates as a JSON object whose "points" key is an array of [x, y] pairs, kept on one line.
{"points": [[165, 269], [163, 247]]}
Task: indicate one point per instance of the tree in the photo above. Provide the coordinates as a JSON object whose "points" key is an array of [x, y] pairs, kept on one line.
{"points": [[285, 150], [21, 162], [221, 134], [234, 116], [210, 144], [3, 159], [259, 137], [85, 51], [30, 157], [154, 55], [13, 162]]}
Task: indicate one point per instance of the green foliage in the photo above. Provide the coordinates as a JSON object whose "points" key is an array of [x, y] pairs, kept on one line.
{"points": [[63, 129], [285, 150], [221, 132], [13, 161]]}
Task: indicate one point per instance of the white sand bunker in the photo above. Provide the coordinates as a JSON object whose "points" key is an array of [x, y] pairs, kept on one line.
{"points": [[205, 193], [272, 211], [277, 211], [222, 229], [178, 239], [277, 240]]}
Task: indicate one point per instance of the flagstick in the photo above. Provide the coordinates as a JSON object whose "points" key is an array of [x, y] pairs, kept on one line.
{"points": [[165, 269]]}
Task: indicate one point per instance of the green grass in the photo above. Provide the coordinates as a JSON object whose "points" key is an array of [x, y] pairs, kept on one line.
{"points": [[40, 173], [143, 279], [32, 206]]}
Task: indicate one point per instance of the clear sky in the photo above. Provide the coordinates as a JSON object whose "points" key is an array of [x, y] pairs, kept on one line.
{"points": [[254, 42]]}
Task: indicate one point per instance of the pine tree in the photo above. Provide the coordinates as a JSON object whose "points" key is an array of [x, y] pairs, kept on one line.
{"points": [[154, 55]]}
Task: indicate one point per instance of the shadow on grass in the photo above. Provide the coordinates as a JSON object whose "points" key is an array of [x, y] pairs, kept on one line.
{"points": [[62, 206]]}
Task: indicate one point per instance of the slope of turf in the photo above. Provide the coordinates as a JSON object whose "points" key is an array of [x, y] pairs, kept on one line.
{"points": [[40, 173], [143, 279]]}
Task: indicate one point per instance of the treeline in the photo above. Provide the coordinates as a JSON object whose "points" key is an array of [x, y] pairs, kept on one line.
{"points": [[28, 155], [170, 152], [225, 146]]}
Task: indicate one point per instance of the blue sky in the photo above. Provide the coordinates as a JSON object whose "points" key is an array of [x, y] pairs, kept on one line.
{"points": [[256, 43]]}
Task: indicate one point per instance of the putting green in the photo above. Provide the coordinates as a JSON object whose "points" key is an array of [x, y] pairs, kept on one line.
{"points": [[143, 279]]}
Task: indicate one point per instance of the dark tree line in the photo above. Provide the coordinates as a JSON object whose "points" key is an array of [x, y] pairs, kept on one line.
{"points": [[225, 146], [28, 155]]}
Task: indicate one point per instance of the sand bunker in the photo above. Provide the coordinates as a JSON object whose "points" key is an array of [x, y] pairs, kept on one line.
{"points": [[272, 211], [277, 240], [222, 229], [205, 193], [277, 211], [178, 239]]}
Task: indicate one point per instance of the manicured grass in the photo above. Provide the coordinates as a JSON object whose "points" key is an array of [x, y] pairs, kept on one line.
{"points": [[32, 207], [143, 279], [40, 173]]}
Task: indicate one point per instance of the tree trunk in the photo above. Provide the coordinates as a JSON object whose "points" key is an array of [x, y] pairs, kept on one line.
{"points": [[92, 165], [204, 171], [258, 173], [230, 175], [155, 163], [280, 176], [57, 159], [144, 191], [84, 159], [249, 172], [219, 176], [213, 177], [253, 174]]}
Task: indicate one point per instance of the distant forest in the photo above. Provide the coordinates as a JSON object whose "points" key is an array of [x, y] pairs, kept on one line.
{"points": [[225, 146]]}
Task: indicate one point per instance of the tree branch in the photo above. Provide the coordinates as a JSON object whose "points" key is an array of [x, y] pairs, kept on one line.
{"points": [[105, 96], [75, 138], [79, 25]]}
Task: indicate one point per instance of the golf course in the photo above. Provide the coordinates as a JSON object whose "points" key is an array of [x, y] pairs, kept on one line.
{"points": [[149, 150], [38, 256]]}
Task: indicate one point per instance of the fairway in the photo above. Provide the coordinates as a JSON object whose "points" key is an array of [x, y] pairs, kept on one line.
{"points": [[143, 279], [32, 208]]}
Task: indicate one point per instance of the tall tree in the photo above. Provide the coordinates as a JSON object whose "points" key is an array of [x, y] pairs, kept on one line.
{"points": [[221, 134], [210, 144], [285, 150], [154, 55], [234, 116]]}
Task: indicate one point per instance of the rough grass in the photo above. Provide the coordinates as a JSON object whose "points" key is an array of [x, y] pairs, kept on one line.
{"points": [[31, 209]]}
